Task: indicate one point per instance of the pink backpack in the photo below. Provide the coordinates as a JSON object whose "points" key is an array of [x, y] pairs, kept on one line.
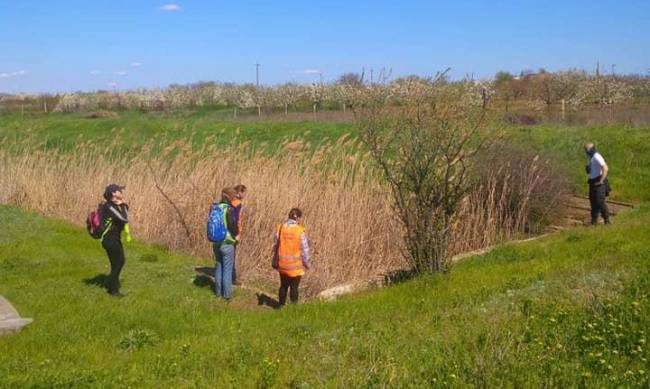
{"points": [[95, 223]]}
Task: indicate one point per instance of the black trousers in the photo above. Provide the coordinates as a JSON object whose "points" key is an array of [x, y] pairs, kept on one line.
{"points": [[286, 283], [115, 253], [597, 199]]}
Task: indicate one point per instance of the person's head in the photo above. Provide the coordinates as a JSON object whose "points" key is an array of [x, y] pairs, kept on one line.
{"points": [[228, 195], [590, 149], [241, 191], [295, 214], [113, 192]]}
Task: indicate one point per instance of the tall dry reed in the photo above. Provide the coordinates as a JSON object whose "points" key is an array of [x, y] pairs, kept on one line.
{"points": [[347, 211]]}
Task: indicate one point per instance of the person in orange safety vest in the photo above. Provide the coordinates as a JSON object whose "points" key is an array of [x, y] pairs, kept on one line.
{"points": [[291, 256]]}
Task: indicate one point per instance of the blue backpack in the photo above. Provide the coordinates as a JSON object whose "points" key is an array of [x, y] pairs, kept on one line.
{"points": [[217, 230]]}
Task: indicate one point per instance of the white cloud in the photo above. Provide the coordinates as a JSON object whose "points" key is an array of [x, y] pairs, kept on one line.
{"points": [[121, 73], [18, 73], [112, 84], [311, 71], [95, 72], [136, 64], [170, 8]]}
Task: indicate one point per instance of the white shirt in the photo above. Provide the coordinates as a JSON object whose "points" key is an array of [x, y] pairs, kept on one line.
{"points": [[596, 166]]}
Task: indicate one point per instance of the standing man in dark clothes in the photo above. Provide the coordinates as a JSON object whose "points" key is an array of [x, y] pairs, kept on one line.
{"points": [[237, 214], [597, 170], [115, 215]]}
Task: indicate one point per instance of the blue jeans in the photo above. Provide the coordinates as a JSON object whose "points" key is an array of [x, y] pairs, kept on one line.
{"points": [[225, 255], [234, 266]]}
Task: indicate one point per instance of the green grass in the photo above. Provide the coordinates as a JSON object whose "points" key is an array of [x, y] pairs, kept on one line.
{"points": [[625, 149], [542, 313], [133, 129]]}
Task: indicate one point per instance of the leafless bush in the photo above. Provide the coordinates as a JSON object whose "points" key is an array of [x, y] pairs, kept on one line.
{"points": [[424, 144]]}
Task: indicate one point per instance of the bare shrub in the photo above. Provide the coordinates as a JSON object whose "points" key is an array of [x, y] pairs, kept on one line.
{"points": [[423, 145]]}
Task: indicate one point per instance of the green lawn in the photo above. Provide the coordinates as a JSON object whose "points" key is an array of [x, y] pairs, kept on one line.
{"points": [[569, 310], [133, 129]]}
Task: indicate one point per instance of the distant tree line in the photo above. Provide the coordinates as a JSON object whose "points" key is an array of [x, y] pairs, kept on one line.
{"points": [[532, 91]]}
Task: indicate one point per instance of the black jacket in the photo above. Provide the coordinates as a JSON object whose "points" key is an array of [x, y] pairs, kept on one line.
{"points": [[115, 217]]}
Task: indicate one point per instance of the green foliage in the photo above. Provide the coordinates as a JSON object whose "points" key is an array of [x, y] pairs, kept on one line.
{"points": [[137, 339]]}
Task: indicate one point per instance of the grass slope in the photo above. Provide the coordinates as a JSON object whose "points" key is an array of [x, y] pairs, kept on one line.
{"points": [[568, 310], [624, 148], [133, 129]]}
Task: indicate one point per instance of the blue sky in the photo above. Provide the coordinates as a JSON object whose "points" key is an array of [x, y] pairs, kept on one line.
{"points": [[85, 45]]}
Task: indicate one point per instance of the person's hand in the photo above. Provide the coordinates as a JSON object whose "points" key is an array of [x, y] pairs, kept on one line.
{"points": [[599, 183]]}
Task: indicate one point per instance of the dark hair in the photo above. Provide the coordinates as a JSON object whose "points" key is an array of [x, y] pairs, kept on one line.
{"points": [[295, 213], [240, 188], [110, 189]]}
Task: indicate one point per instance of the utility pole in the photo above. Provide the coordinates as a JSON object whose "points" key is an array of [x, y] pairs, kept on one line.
{"points": [[597, 68], [257, 75], [613, 67]]}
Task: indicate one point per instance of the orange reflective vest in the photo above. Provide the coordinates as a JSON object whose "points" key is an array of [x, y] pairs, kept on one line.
{"points": [[290, 250]]}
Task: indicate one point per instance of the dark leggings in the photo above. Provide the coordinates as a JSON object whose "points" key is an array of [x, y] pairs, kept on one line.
{"points": [[115, 253], [287, 282], [598, 200]]}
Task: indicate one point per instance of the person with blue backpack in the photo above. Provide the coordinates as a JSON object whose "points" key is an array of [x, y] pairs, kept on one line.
{"points": [[222, 228]]}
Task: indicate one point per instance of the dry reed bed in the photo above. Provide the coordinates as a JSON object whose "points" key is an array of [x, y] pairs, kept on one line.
{"points": [[348, 215]]}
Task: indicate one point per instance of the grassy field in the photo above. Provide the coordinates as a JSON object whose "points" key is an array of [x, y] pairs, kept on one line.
{"points": [[568, 310], [134, 129]]}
